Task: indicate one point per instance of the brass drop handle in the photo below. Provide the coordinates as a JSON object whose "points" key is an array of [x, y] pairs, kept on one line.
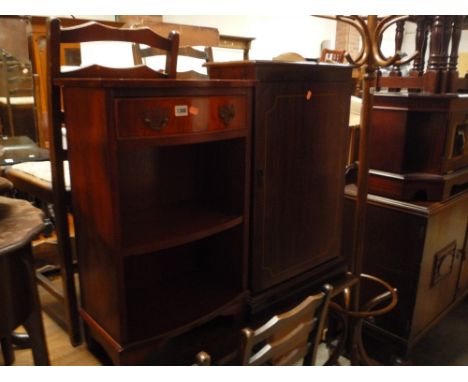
{"points": [[226, 113], [444, 262], [156, 119], [446, 265]]}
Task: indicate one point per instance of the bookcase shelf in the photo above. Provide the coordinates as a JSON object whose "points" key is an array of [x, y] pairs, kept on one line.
{"points": [[207, 268], [162, 214], [174, 225]]}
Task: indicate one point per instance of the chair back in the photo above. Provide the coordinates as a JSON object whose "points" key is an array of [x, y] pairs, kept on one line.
{"points": [[94, 31], [289, 337], [89, 32], [141, 53], [332, 55]]}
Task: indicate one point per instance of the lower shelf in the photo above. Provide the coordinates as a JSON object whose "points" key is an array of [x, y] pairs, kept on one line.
{"points": [[170, 311], [175, 225], [173, 290], [219, 334]]}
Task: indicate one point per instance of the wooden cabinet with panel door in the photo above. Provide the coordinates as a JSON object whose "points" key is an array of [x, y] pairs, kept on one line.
{"points": [[420, 249], [301, 113]]}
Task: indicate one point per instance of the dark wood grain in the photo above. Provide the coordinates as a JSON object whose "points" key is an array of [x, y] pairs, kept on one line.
{"points": [[290, 337], [93, 31], [404, 244], [138, 117], [300, 130], [161, 225], [415, 137], [19, 300]]}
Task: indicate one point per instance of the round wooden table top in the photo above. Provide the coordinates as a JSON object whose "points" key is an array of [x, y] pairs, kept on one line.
{"points": [[5, 184], [20, 222]]}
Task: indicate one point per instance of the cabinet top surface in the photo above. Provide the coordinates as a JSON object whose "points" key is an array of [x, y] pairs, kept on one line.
{"points": [[422, 208], [281, 64], [150, 83], [421, 102], [19, 224], [281, 71], [420, 96]]}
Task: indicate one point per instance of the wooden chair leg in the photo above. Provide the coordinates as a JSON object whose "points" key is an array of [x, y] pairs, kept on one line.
{"points": [[71, 303], [33, 324], [35, 329], [68, 281], [7, 350]]}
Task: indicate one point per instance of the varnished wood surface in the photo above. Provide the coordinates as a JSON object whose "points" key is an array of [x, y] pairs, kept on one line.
{"points": [[289, 337], [415, 132], [37, 48], [417, 137], [173, 277], [153, 117], [126, 87], [418, 248], [20, 222], [276, 71], [301, 115]]}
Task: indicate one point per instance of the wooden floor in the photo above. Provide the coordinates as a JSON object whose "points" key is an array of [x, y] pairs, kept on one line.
{"points": [[448, 349], [61, 352], [446, 344]]}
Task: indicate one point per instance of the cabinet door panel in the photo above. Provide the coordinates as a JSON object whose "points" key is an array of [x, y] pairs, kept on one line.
{"points": [[440, 265], [298, 185], [463, 284]]}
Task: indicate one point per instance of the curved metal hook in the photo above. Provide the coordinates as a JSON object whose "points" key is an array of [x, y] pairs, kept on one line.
{"points": [[386, 22], [370, 43], [408, 59], [383, 25], [357, 24], [385, 61]]}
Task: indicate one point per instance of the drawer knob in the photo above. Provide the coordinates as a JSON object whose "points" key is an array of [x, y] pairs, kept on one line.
{"points": [[156, 119], [226, 113]]}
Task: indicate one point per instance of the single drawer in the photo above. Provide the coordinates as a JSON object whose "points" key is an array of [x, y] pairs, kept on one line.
{"points": [[152, 117]]}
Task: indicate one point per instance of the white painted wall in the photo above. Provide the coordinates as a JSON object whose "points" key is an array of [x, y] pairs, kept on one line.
{"points": [[90, 17], [464, 41], [273, 34], [111, 54]]}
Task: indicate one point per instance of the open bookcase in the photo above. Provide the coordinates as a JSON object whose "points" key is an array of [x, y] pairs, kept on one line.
{"points": [[160, 180]]}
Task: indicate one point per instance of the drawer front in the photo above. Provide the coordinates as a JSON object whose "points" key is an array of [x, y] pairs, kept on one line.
{"points": [[153, 117]]}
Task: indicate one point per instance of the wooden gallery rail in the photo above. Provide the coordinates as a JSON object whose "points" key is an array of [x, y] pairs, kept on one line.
{"points": [[439, 74]]}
